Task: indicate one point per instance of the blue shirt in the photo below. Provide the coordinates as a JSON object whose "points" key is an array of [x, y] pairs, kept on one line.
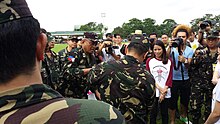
{"points": [[177, 74]]}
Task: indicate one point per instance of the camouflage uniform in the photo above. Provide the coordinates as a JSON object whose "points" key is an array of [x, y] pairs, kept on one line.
{"points": [[125, 85], [201, 72], [64, 54], [39, 104], [50, 70], [75, 84]]}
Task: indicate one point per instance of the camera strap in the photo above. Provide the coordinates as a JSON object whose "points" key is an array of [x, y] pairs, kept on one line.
{"points": [[174, 62]]}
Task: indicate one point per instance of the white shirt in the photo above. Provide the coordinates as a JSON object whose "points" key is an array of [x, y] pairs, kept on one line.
{"points": [[216, 97], [161, 73], [107, 57], [194, 45], [217, 68], [118, 52]]}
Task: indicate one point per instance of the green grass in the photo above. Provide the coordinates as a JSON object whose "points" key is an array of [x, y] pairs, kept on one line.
{"points": [[177, 121], [59, 47]]}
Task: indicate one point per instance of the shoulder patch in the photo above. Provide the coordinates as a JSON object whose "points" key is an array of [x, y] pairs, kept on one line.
{"points": [[71, 58]]}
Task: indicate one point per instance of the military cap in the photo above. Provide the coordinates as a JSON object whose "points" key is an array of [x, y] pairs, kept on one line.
{"points": [[13, 9], [50, 38], [139, 38], [92, 37], [73, 39], [213, 34]]}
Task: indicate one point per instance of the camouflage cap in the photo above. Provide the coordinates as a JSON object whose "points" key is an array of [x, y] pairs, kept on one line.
{"points": [[139, 38], [50, 38], [13, 9], [73, 39], [90, 35], [213, 34]]}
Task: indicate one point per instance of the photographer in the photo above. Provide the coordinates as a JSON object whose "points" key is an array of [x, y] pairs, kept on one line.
{"points": [[152, 38], [107, 50], [165, 40], [204, 28], [182, 56], [117, 41], [202, 65], [109, 36]]}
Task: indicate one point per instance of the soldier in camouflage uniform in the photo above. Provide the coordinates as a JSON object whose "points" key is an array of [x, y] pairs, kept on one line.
{"points": [[125, 84], [51, 65], [64, 53], [24, 98], [203, 62], [74, 73]]}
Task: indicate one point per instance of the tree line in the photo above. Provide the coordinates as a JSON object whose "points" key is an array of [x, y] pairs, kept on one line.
{"points": [[149, 25]]}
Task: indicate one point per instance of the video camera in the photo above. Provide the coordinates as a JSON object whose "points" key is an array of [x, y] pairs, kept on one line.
{"points": [[205, 24], [202, 52], [177, 42], [109, 48], [151, 40]]}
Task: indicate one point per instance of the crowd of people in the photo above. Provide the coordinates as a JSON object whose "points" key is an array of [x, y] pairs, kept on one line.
{"points": [[180, 66], [132, 83]]}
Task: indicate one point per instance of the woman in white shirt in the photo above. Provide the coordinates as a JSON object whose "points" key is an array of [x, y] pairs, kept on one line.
{"points": [[161, 68]]}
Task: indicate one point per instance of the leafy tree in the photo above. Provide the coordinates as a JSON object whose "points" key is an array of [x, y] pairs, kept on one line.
{"points": [[167, 27], [119, 30], [149, 26], [217, 20], [131, 26], [93, 26]]}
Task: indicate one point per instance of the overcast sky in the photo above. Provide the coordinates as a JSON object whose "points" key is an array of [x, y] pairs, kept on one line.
{"points": [[62, 15]]}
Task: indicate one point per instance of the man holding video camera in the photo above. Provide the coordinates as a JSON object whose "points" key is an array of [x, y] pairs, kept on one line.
{"points": [[204, 28], [202, 65], [182, 56], [107, 50]]}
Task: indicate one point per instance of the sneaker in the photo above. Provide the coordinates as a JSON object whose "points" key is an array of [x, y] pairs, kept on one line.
{"points": [[185, 120]]}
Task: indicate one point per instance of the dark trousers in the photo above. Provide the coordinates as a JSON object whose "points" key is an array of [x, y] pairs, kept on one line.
{"points": [[163, 106], [201, 95]]}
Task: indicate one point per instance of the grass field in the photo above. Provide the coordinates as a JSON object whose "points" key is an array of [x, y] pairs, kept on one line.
{"points": [[59, 47]]}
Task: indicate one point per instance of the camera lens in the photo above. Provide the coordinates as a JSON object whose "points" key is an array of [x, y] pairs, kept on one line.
{"points": [[203, 25]]}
